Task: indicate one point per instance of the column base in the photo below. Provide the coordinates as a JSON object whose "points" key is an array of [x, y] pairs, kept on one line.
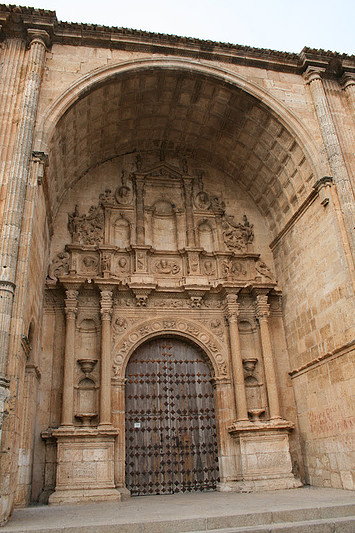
{"points": [[85, 465], [265, 461], [68, 496]]}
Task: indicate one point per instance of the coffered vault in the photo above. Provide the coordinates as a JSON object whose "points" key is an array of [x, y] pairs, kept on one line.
{"points": [[185, 114]]}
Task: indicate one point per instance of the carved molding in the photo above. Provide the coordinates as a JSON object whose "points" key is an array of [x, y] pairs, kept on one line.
{"points": [[169, 324]]}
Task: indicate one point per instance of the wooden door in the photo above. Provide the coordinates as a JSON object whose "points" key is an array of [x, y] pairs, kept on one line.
{"points": [[171, 441]]}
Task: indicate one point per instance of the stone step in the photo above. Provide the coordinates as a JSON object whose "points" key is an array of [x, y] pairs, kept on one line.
{"points": [[306, 510], [329, 525], [331, 519]]}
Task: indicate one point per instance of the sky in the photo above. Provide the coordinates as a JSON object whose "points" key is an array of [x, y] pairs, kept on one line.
{"points": [[285, 25]]}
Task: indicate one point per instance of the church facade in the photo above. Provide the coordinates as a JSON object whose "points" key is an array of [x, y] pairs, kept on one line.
{"points": [[177, 276]]}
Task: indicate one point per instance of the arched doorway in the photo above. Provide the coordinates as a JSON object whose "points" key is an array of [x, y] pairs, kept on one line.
{"points": [[171, 443]]}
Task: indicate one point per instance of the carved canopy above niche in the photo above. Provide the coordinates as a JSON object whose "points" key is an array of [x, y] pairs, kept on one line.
{"points": [[160, 228]]}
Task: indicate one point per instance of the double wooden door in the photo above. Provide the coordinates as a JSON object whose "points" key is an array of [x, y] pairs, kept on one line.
{"points": [[171, 443]]}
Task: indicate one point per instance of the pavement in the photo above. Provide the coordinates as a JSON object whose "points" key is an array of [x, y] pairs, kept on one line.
{"points": [[186, 512]]}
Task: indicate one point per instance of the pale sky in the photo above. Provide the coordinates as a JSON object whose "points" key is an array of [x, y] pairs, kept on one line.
{"points": [[285, 25]]}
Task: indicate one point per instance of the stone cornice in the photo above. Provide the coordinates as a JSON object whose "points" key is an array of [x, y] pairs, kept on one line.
{"points": [[94, 35]]}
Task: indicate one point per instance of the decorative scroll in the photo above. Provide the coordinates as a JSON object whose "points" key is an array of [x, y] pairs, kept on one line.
{"points": [[166, 267]]}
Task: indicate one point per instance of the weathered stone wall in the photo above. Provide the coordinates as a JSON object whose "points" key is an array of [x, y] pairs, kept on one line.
{"points": [[263, 127]]}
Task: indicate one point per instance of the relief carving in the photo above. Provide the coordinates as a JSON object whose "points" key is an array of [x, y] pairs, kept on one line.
{"points": [[87, 229], [237, 236], [166, 267], [124, 195], [202, 200], [119, 324], [59, 266], [263, 270], [122, 266], [128, 343], [209, 268], [89, 264], [233, 268]]}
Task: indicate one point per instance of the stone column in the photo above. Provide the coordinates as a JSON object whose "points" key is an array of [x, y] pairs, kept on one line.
{"points": [[71, 308], [190, 230], [232, 313], [262, 313], [333, 149], [139, 189], [348, 83], [105, 384], [18, 161]]}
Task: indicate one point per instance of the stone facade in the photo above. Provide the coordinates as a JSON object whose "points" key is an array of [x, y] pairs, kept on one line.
{"points": [[154, 186]]}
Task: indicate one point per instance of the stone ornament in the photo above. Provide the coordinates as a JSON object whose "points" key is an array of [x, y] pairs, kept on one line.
{"points": [[166, 267], [59, 266], [87, 229], [237, 236], [233, 268], [127, 344], [123, 195]]}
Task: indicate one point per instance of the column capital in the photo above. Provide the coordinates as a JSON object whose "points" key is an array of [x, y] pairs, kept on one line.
{"points": [[35, 35], [231, 307], [262, 307], [106, 302], [71, 302], [313, 73], [347, 80]]}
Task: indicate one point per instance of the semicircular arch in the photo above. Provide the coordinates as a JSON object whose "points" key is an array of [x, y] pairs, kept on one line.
{"points": [[158, 327]]}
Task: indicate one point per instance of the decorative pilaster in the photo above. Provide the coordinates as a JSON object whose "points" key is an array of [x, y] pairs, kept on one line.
{"points": [[262, 314], [190, 230], [71, 309], [105, 385], [232, 313], [313, 77], [17, 175], [139, 189]]}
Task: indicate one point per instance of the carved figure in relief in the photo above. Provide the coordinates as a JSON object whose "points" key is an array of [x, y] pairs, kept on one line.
{"points": [[89, 263], [119, 324], [166, 267], [209, 268], [87, 229], [202, 200], [59, 266], [106, 262], [263, 269], [217, 327], [236, 235], [124, 195], [233, 268], [217, 204], [122, 265]]}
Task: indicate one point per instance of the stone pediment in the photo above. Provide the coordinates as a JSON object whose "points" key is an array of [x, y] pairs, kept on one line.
{"points": [[163, 170]]}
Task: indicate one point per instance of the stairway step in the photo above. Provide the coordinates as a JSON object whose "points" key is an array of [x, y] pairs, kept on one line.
{"points": [[334, 525]]}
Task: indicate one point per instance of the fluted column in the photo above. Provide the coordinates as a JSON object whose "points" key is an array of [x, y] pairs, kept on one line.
{"points": [[190, 230], [18, 164], [139, 186], [71, 308], [262, 314], [348, 83], [333, 149], [232, 313], [105, 384]]}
